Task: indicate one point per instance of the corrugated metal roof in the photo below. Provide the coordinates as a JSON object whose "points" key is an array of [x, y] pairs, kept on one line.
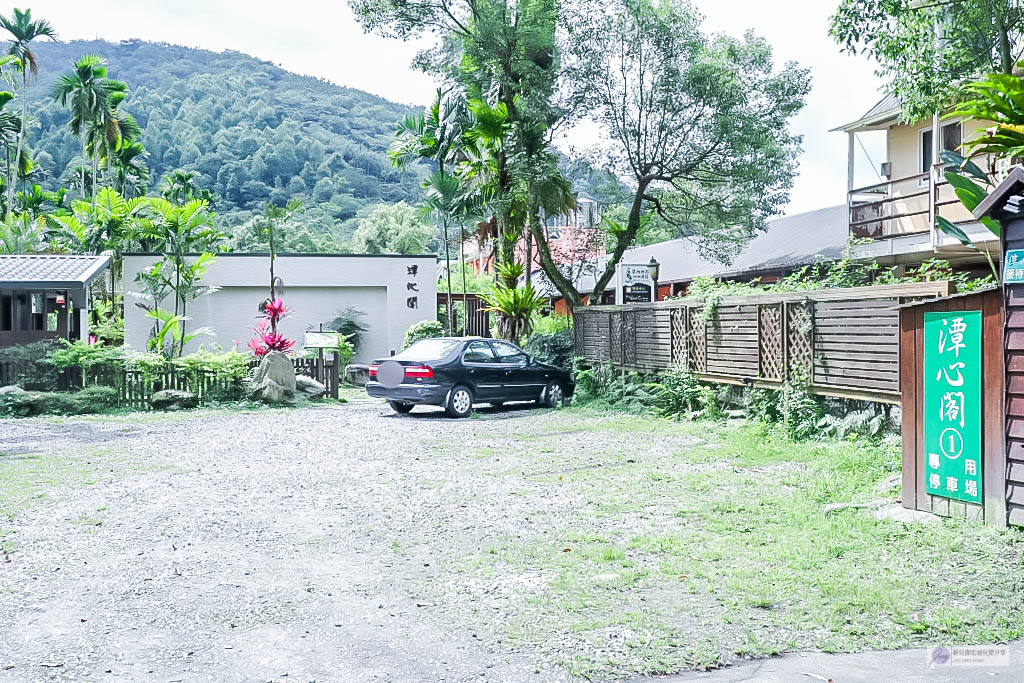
{"points": [[886, 108], [789, 242], [49, 269]]}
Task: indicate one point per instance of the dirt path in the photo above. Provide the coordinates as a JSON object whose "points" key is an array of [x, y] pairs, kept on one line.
{"points": [[245, 546]]}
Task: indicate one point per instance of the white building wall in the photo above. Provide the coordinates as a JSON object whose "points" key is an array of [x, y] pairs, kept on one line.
{"points": [[315, 288]]}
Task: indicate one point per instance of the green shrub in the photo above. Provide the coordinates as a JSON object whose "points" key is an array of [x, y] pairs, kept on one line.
{"points": [[555, 348], [800, 410], [347, 323], [88, 401], [100, 364], [551, 324], [678, 393], [32, 364], [15, 402], [425, 329]]}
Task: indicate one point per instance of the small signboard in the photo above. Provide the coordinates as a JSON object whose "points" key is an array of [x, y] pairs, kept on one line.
{"points": [[952, 405], [637, 286], [636, 294], [320, 340], [1013, 269]]}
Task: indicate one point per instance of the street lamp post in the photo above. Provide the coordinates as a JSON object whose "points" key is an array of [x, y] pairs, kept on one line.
{"points": [[652, 268]]}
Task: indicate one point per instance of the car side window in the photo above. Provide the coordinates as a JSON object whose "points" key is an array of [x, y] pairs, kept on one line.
{"points": [[478, 352], [508, 353]]}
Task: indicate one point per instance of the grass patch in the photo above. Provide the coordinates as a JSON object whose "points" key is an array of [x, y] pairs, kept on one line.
{"points": [[722, 550]]}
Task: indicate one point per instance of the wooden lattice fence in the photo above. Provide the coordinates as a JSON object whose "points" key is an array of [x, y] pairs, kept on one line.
{"points": [[843, 342]]}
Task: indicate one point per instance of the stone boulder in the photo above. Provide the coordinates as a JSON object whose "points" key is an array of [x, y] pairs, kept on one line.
{"points": [[15, 401], [309, 387], [173, 399], [357, 374], [274, 381]]}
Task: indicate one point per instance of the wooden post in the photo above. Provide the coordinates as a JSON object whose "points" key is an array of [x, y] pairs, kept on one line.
{"points": [[335, 375]]}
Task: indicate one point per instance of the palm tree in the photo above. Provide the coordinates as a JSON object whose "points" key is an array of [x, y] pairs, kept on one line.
{"points": [[437, 135], [24, 30], [19, 234], [180, 187], [87, 91], [131, 172]]}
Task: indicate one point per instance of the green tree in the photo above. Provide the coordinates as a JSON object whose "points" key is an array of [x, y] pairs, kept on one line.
{"points": [[502, 55], [182, 186], [19, 234], [24, 30], [439, 135], [699, 127], [87, 91], [392, 229], [179, 232], [927, 49], [131, 172]]}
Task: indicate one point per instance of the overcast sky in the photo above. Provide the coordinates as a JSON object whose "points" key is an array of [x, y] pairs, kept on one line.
{"points": [[321, 38]]}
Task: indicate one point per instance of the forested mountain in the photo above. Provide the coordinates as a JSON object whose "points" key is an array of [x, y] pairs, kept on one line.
{"points": [[254, 131]]}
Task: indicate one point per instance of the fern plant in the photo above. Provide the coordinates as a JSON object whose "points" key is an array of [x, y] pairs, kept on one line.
{"points": [[515, 308]]}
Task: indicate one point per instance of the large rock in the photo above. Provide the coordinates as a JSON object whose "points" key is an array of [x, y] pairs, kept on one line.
{"points": [[274, 381], [15, 401], [357, 374], [173, 399], [309, 387]]}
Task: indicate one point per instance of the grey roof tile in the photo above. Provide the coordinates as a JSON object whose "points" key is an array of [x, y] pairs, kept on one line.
{"points": [[51, 269]]}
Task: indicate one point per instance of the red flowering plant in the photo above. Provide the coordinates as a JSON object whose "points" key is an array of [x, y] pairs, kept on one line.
{"points": [[267, 337]]}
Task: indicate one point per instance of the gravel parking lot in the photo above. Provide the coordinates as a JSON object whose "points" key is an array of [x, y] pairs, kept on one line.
{"points": [[341, 542], [322, 543]]}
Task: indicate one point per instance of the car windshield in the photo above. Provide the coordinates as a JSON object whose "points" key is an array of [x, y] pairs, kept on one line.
{"points": [[427, 349]]}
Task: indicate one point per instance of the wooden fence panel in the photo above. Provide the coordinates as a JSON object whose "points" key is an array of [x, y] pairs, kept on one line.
{"points": [[653, 339], [844, 342], [732, 341]]}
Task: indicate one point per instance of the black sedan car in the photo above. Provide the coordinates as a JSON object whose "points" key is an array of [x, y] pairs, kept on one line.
{"points": [[456, 372]]}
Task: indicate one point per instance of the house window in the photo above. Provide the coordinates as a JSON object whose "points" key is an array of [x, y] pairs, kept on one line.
{"points": [[952, 136], [554, 233]]}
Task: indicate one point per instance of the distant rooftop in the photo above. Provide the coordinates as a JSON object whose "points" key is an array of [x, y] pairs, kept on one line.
{"points": [[53, 271], [789, 242]]}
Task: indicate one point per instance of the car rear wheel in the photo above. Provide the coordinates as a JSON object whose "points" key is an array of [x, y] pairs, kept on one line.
{"points": [[400, 407], [553, 395], [460, 402]]}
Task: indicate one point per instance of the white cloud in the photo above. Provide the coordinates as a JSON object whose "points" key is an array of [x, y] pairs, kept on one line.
{"points": [[322, 38]]}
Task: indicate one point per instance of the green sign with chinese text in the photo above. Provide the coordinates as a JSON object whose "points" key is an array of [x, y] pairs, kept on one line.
{"points": [[952, 405]]}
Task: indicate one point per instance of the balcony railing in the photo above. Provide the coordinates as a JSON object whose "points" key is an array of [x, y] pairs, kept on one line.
{"points": [[902, 206]]}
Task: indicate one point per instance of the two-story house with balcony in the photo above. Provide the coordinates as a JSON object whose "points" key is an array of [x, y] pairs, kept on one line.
{"points": [[894, 219]]}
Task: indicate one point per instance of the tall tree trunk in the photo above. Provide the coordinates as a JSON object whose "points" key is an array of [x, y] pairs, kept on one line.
{"points": [[21, 137], [529, 249], [84, 157], [462, 260], [95, 172], [273, 280], [448, 274], [625, 239]]}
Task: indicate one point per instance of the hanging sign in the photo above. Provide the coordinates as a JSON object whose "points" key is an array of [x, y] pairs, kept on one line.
{"points": [[1013, 268], [952, 405]]}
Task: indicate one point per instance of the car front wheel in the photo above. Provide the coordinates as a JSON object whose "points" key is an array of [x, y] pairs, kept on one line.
{"points": [[553, 395], [400, 407], [460, 402]]}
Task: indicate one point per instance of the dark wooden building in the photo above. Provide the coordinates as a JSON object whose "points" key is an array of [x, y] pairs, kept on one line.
{"points": [[45, 296]]}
